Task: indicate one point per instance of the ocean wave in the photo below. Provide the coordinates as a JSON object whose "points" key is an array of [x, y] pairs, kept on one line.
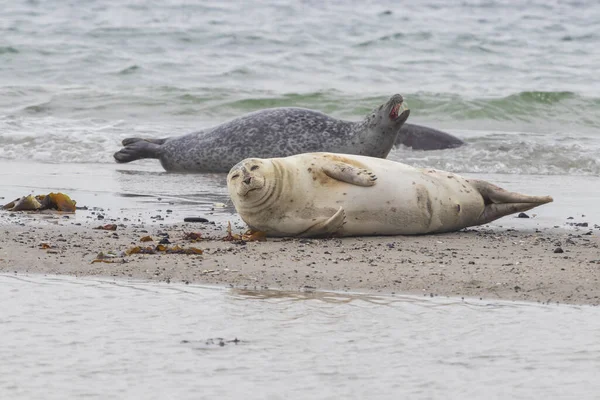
{"points": [[527, 110], [8, 50], [533, 107], [547, 108]]}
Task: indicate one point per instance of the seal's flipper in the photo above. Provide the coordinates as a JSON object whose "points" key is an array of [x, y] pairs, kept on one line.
{"points": [[128, 141], [349, 174], [136, 150], [500, 202], [423, 138], [326, 227]]}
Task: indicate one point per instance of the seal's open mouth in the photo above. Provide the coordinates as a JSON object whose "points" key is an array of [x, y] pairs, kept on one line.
{"points": [[394, 114]]}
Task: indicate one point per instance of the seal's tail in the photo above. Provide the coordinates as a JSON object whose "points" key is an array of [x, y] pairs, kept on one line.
{"points": [[137, 148], [500, 202]]}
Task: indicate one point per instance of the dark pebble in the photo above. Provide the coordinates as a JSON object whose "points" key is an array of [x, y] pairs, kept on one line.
{"points": [[522, 215], [559, 250], [195, 219]]}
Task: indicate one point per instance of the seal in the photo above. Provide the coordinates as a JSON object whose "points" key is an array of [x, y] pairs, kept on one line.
{"points": [[420, 137], [274, 132], [326, 194]]}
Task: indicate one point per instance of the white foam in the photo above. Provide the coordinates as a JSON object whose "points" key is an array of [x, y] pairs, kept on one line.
{"points": [[512, 153], [56, 140]]}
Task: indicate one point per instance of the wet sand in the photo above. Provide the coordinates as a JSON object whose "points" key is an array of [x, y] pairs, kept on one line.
{"points": [[488, 262]]}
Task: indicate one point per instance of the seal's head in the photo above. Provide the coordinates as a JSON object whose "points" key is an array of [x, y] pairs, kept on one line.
{"points": [[379, 130], [248, 181], [389, 117], [394, 112]]}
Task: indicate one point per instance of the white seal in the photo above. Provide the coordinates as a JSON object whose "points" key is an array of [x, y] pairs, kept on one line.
{"points": [[327, 194]]}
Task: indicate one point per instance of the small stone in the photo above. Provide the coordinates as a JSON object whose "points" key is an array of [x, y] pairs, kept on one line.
{"points": [[558, 250], [195, 219], [522, 215]]}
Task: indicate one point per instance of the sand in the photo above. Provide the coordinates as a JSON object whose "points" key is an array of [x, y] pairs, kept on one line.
{"points": [[483, 262]]}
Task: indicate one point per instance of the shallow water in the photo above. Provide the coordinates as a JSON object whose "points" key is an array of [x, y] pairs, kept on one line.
{"points": [[90, 338]]}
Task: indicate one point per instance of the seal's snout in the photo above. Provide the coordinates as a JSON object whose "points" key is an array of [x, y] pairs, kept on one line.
{"points": [[247, 176]]}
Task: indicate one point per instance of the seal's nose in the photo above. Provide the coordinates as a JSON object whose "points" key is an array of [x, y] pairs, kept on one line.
{"points": [[248, 180]]}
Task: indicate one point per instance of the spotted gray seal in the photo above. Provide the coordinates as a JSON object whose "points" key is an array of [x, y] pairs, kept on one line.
{"points": [[275, 132], [321, 194]]}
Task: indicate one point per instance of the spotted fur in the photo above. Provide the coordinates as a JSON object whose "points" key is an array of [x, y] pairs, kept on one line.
{"points": [[275, 132]]}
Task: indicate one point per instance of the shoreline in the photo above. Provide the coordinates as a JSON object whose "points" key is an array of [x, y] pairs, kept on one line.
{"points": [[482, 262]]}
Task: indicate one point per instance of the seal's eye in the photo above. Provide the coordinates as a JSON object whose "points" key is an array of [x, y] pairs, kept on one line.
{"points": [[235, 176], [254, 168]]}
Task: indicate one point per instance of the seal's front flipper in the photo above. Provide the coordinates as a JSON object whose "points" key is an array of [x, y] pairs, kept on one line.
{"points": [[136, 150], [349, 173], [326, 227], [500, 202]]}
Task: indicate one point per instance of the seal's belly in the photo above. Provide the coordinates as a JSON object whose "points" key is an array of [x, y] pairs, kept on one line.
{"points": [[403, 201]]}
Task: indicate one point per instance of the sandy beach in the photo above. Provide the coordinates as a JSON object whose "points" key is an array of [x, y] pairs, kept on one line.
{"points": [[532, 264]]}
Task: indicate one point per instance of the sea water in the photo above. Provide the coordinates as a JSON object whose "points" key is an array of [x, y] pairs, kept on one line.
{"points": [[76, 338]]}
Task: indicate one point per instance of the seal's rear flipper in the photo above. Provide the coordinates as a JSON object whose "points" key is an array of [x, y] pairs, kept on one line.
{"points": [[326, 227], [423, 138], [128, 141], [500, 202], [349, 174], [138, 149]]}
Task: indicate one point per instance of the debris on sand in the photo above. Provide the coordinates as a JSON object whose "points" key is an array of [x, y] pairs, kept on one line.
{"points": [[109, 227], [163, 249], [52, 201], [248, 236]]}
